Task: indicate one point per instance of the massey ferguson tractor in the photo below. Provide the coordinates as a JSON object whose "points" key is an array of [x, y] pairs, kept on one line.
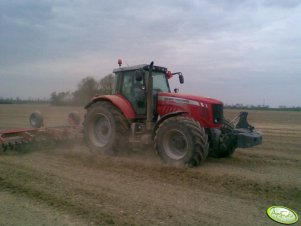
{"points": [[184, 129]]}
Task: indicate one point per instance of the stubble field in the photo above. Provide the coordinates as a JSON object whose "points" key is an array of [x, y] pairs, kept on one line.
{"points": [[68, 185]]}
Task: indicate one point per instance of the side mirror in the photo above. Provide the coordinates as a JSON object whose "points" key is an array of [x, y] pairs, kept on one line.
{"points": [[139, 75], [181, 78]]}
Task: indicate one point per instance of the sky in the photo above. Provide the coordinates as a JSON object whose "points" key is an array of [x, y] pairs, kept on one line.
{"points": [[237, 51]]}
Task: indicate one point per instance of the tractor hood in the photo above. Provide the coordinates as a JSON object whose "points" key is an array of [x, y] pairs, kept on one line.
{"points": [[207, 111], [189, 99]]}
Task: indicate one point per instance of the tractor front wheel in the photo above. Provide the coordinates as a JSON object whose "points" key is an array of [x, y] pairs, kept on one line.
{"points": [[181, 141], [227, 142], [105, 129]]}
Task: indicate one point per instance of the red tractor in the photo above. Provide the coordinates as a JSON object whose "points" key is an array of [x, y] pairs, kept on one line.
{"points": [[184, 129]]}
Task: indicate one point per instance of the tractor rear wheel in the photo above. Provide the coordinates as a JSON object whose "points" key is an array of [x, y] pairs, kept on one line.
{"points": [[105, 129], [227, 142], [181, 141]]}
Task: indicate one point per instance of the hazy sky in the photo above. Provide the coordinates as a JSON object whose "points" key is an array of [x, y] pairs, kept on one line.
{"points": [[238, 51]]}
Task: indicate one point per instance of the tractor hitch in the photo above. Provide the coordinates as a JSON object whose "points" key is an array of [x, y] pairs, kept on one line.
{"points": [[246, 134]]}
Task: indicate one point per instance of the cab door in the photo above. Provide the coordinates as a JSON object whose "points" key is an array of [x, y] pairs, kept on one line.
{"points": [[133, 89]]}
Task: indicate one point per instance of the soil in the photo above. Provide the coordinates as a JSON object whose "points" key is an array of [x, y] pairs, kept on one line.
{"points": [[69, 185]]}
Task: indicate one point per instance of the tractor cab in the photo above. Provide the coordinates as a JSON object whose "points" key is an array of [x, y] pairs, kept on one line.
{"points": [[133, 82]]}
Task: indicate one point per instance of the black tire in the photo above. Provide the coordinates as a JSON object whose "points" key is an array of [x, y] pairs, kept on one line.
{"points": [[105, 129], [227, 143], [36, 119], [181, 141]]}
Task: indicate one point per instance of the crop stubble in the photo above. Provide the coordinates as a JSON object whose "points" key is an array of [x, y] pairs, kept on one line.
{"points": [[79, 188]]}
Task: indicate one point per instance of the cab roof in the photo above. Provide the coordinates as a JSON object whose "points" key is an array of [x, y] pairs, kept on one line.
{"points": [[140, 66]]}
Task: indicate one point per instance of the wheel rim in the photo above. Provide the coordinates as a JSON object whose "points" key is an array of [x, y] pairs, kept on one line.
{"points": [[101, 130], [175, 144]]}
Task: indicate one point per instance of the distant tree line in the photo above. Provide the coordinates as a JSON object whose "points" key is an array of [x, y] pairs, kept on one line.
{"points": [[86, 89], [89, 87], [262, 107], [239, 106], [18, 100]]}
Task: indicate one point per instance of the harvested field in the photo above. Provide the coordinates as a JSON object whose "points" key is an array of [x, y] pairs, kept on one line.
{"points": [[69, 185]]}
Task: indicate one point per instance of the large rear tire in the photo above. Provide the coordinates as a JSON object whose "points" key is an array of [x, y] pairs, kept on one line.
{"points": [[181, 141], [227, 142], [105, 129]]}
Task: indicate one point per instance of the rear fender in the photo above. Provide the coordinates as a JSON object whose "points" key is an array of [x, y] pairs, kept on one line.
{"points": [[169, 115], [120, 102]]}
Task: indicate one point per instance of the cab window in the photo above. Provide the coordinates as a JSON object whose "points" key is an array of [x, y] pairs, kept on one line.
{"points": [[133, 90]]}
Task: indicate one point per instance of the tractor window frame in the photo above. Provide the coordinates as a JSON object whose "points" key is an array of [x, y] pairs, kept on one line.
{"points": [[118, 82], [138, 104]]}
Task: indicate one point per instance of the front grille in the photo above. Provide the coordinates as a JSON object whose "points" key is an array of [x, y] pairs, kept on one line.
{"points": [[218, 115]]}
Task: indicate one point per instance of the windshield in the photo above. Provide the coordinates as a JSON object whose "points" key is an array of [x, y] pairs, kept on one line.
{"points": [[160, 82]]}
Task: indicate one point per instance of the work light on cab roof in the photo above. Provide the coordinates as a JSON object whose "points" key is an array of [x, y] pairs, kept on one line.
{"points": [[119, 62]]}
